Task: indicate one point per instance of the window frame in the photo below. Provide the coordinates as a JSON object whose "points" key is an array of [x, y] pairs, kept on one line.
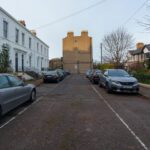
{"points": [[30, 42], [5, 29], [37, 46], [17, 35], [41, 49], [8, 82], [11, 83], [23, 38]]}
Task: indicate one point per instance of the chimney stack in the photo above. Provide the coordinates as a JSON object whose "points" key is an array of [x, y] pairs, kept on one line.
{"points": [[70, 34], [33, 32], [84, 33], [139, 45], [22, 22]]}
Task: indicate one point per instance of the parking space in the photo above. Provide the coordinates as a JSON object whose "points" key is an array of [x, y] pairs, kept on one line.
{"points": [[41, 91]]}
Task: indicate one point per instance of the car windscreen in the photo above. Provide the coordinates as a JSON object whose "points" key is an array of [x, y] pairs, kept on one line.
{"points": [[53, 73], [118, 73], [98, 71]]}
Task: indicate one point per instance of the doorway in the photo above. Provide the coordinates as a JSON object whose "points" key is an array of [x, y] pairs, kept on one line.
{"points": [[16, 62]]}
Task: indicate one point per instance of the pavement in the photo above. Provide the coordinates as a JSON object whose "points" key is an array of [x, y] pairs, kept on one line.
{"points": [[145, 90], [76, 115]]}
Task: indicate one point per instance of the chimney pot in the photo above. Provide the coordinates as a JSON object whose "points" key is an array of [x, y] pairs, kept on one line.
{"points": [[22, 22]]}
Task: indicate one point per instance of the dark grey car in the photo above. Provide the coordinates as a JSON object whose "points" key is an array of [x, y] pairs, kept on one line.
{"points": [[14, 92], [51, 76], [118, 80]]}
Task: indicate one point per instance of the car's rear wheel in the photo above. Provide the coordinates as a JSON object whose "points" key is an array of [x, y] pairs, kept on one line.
{"points": [[93, 82], [137, 92], [58, 80], [44, 81], [99, 84], [33, 96]]}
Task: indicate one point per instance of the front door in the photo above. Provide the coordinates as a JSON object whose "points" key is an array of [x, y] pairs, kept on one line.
{"points": [[22, 62], [16, 62]]}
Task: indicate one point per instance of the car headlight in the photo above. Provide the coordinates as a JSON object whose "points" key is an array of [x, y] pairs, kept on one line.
{"points": [[136, 82], [115, 82]]}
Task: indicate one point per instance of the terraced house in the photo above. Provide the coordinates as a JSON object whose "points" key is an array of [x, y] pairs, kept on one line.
{"points": [[26, 50]]}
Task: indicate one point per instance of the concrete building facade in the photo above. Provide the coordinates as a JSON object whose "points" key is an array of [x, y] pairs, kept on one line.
{"points": [[26, 50], [77, 52]]}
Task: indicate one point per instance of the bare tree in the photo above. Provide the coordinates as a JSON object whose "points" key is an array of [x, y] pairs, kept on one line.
{"points": [[145, 22], [116, 45]]}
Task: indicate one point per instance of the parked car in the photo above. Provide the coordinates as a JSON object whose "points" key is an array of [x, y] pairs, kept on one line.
{"points": [[95, 76], [51, 76], [14, 92], [88, 72], [61, 73], [118, 80], [67, 72], [64, 72]]}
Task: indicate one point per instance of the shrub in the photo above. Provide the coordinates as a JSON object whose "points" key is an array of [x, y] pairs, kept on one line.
{"points": [[105, 66], [4, 60], [143, 77]]}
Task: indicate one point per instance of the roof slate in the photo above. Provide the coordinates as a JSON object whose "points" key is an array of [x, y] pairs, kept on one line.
{"points": [[139, 51]]}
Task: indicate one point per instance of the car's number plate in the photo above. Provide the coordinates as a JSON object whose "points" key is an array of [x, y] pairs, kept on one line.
{"points": [[49, 76], [127, 87]]}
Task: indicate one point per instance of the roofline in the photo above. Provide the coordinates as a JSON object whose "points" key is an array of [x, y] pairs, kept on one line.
{"points": [[77, 36], [6, 13], [130, 51]]}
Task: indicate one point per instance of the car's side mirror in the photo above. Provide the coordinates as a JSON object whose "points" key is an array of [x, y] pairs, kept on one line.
{"points": [[22, 83], [131, 75]]}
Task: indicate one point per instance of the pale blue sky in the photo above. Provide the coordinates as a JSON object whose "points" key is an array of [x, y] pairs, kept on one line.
{"points": [[98, 21]]}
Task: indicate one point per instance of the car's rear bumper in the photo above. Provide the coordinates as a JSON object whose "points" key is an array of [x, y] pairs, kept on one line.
{"points": [[96, 79]]}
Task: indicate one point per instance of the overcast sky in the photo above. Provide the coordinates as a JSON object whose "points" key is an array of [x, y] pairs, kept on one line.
{"points": [[99, 20]]}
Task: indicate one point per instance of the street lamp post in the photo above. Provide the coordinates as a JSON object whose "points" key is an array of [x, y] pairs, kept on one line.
{"points": [[101, 49]]}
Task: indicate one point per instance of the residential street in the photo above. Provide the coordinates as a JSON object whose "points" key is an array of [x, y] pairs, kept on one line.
{"points": [[76, 115]]}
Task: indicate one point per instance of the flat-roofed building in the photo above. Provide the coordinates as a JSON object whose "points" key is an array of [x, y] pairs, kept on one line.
{"points": [[77, 52], [55, 63]]}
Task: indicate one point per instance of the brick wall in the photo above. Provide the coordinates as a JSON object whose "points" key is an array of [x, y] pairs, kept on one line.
{"points": [[77, 52]]}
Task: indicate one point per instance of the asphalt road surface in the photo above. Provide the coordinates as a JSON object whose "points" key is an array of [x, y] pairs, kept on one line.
{"points": [[76, 115]]}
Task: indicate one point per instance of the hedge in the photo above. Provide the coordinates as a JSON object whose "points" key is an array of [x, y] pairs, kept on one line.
{"points": [[143, 77]]}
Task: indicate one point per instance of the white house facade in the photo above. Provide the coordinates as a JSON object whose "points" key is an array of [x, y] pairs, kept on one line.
{"points": [[26, 50]]}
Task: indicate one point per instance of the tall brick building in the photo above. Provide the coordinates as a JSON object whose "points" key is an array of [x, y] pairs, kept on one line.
{"points": [[77, 52]]}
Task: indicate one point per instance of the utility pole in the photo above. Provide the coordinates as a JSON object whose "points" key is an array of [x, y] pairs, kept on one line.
{"points": [[101, 48]]}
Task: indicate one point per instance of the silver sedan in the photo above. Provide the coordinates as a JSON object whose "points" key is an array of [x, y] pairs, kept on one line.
{"points": [[14, 92], [118, 80]]}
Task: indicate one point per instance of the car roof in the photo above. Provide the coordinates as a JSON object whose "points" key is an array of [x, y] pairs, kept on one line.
{"points": [[114, 69], [52, 71]]}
